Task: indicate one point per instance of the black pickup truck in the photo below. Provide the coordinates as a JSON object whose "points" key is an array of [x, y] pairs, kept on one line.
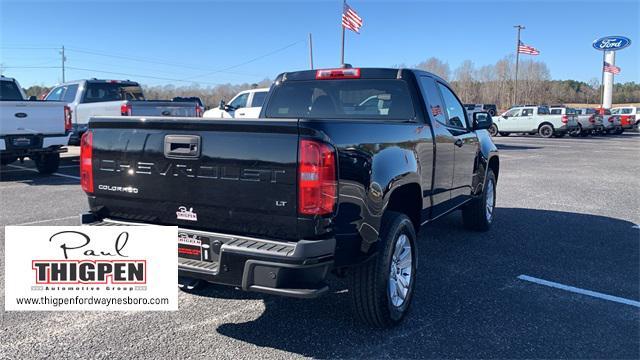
{"points": [[339, 173]]}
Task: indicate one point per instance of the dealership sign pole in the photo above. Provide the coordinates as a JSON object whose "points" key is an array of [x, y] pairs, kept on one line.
{"points": [[609, 45]]}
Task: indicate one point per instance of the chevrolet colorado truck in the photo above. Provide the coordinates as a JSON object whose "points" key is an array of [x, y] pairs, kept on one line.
{"points": [[318, 185], [29, 128], [94, 97]]}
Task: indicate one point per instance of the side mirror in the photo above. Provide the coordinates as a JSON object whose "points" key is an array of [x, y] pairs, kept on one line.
{"points": [[33, 98], [482, 120], [222, 105]]}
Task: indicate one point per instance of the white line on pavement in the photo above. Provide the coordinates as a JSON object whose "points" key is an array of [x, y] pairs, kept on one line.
{"points": [[68, 166], [580, 291], [43, 221], [56, 174]]}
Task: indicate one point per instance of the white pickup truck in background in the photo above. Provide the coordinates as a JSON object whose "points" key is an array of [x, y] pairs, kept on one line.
{"points": [[246, 105], [34, 129], [532, 120], [93, 97]]}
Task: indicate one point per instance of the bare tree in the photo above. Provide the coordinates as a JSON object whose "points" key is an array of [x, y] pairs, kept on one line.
{"points": [[435, 66]]}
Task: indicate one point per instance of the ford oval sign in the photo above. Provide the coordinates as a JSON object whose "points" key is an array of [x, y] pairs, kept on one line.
{"points": [[611, 43]]}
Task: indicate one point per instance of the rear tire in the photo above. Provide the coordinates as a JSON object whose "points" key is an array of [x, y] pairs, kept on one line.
{"points": [[545, 131], [479, 213], [382, 287], [577, 132], [190, 285], [47, 163], [493, 130]]}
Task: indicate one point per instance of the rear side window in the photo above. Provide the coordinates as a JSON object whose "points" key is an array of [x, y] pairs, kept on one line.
{"points": [[99, 92], [9, 91], [258, 98], [542, 110], [342, 99], [70, 93], [556, 111]]}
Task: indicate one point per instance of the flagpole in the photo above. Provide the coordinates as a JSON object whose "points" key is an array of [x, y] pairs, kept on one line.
{"points": [[515, 87], [344, 2], [310, 51], [602, 82]]}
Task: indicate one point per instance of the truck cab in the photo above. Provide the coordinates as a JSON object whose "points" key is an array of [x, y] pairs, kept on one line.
{"points": [[245, 105]]}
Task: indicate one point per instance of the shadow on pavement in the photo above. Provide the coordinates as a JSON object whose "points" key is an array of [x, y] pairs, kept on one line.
{"points": [[13, 173], [516, 147], [468, 302]]}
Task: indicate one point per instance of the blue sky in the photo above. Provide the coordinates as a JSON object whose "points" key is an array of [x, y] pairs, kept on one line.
{"points": [[250, 41]]}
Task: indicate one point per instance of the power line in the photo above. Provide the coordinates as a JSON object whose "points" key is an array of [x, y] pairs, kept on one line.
{"points": [[140, 76], [31, 67], [252, 60], [27, 48]]}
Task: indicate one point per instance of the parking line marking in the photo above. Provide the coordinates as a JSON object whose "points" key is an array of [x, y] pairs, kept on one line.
{"points": [[580, 291], [43, 221], [57, 174], [68, 166]]}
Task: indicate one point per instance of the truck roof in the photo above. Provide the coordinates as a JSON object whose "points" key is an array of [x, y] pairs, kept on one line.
{"points": [[364, 73], [101, 81]]}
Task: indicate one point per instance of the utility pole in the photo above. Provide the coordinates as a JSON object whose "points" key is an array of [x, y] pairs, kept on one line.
{"points": [[515, 86], [63, 60], [311, 51]]}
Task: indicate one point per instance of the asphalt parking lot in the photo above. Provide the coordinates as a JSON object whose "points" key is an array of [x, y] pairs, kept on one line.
{"points": [[567, 213]]}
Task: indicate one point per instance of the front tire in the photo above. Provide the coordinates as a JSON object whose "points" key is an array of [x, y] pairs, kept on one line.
{"points": [[47, 163], [382, 287], [479, 213]]}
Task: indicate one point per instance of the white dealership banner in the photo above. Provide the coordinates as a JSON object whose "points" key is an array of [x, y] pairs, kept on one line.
{"points": [[99, 268]]}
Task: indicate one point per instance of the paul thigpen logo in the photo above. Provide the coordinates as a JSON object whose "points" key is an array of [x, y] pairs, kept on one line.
{"points": [[110, 266]]}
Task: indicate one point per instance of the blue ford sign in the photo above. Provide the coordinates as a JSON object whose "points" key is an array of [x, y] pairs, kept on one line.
{"points": [[611, 43]]}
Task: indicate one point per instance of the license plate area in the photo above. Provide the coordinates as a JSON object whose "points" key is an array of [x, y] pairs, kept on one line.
{"points": [[198, 247]]}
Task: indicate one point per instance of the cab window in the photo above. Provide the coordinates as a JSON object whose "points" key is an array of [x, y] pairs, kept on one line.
{"points": [[55, 94], [70, 93], [512, 112], [240, 101], [455, 111], [258, 98]]}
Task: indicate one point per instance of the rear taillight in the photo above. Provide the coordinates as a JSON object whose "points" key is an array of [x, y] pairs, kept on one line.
{"points": [[565, 119], [592, 119], [337, 74], [198, 111], [67, 118], [86, 163], [125, 109], [610, 119], [317, 186]]}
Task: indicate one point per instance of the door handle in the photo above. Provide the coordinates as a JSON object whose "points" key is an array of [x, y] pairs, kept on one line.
{"points": [[459, 143], [182, 146]]}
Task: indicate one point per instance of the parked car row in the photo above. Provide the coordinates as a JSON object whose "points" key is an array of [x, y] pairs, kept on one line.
{"points": [[560, 120]]}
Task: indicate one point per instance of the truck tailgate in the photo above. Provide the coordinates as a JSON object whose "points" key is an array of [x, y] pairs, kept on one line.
{"points": [[31, 117], [216, 175]]}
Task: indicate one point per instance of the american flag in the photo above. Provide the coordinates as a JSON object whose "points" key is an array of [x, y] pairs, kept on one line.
{"points": [[350, 19], [526, 49], [611, 68]]}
